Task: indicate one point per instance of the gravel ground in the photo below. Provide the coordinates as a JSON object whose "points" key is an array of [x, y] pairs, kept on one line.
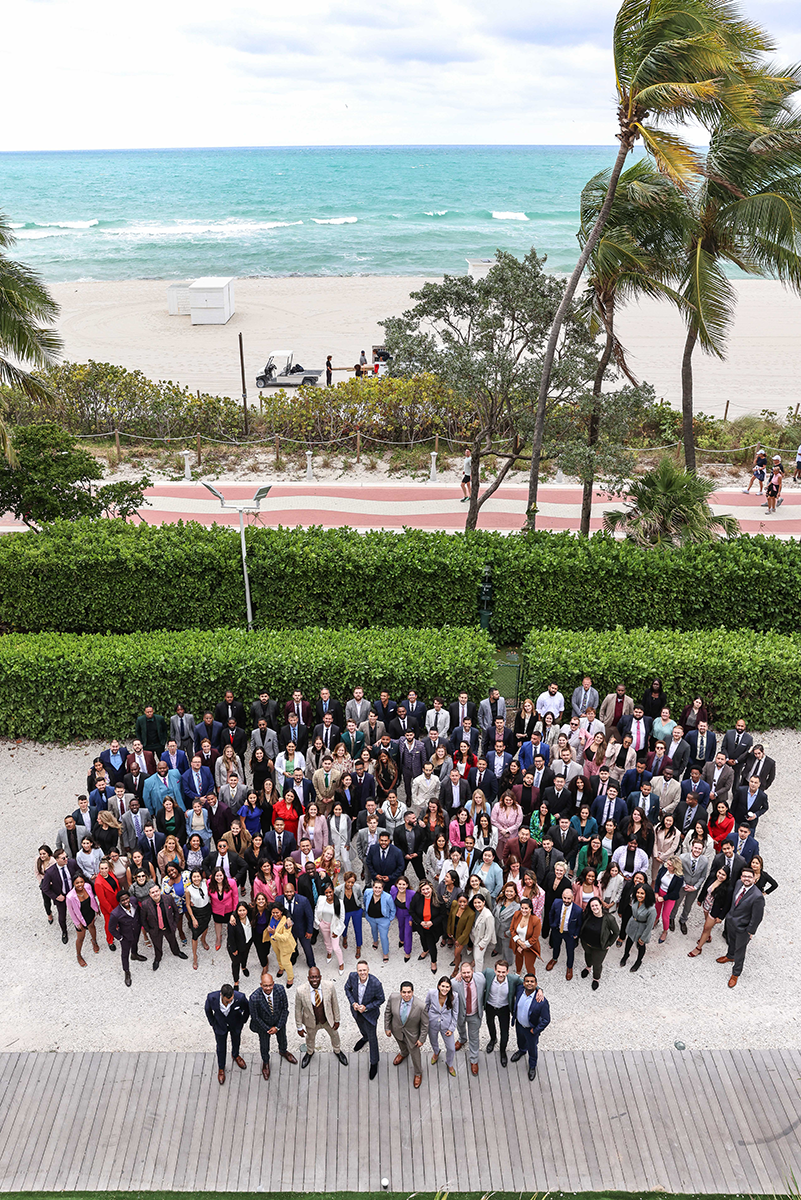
{"points": [[52, 1004]]}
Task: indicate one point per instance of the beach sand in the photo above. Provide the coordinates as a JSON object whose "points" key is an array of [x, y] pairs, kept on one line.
{"points": [[127, 323]]}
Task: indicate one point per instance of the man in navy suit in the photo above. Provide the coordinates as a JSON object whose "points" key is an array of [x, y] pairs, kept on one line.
{"points": [[363, 787], [565, 922], [279, 842], [481, 777], [150, 842], [703, 745], [466, 733], [609, 806], [742, 921], [639, 726], [416, 709], [499, 753], [198, 781], [694, 783], [114, 760], [209, 728], [532, 1015], [530, 749], [269, 1011], [301, 914], [645, 800], [365, 995], [226, 1012], [174, 757], [385, 862], [56, 882], [744, 842], [749, 804], [100, 796], [633, 778], [385, 709]]}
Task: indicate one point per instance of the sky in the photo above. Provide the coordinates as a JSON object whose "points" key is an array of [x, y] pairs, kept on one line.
{"points": [[86, 74]]}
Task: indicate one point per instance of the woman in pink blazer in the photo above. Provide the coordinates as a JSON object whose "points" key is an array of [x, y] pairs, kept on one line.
{"points": [[83, 907]]}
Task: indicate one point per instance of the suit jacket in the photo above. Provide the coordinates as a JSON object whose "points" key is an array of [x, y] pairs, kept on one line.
{"points": [[710, 749], [384, 715], [766, 775], [150, 920], [239, 741], [354, 745], [268, 742], [510, 743], [439, 720], [525, 855], [52, 884], [606, 712], [725, 780], [373, 996], [631, 781], [458, 987], [649, 805], [334, 735], [304, 1004], [446, 795], [488, 785], [372, 736], [202, 731], [599, 804], [78, 815], [701, 790], [593, 700], [567, 843], [151, 855], [539, 1014], [750, 848], [335, 709], [680, 812], [261, 1019], [573, 923], [300, 737], [237, 712], [471, 736], [306, 712], [747, 909], [559, 802], [129, 835], [219, 820], [301, 914], [190, 789], [288, 845], [393, 867], [124, 925], [396, 730], [454, 715], [667, 791], [416, 1027], [491, 756], [269, 711], [410, 759], [236, 865], [401, 841], [154, 791], [161, 731], [737, 753], [626, 723], [364, 790], [237, 1014], [181, 761], [69, 841], [720, 862], [743, 803], [485, 717], [150, 763], [514, 981], [358, 710], [115, 774], [680, 758], [189, 728]]}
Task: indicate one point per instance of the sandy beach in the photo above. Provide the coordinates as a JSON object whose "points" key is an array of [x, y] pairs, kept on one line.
{"points": [[127, 323]]}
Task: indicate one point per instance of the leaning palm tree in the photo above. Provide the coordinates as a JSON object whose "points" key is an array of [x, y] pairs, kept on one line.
{"points": [[27, 314], [669, 506], [635, 255], [675, 61], [747, 213]]}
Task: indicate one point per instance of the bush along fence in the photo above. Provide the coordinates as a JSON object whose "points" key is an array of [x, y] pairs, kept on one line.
{"points": [[112, 577], [738, 674], [95, 686]]}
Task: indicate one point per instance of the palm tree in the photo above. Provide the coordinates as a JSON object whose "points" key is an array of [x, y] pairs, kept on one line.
{"points": [[747, 212], [635, 255], [675, 61], [27, 313], [669, 506]]}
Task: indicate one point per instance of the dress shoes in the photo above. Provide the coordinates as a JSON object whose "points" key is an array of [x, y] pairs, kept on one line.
{"points": [[569, 974], [397, 1060], [490, 1045], [304, 1062], [596, 983], [733, 980], [549, 966], [138, 958], [474, 1068], [221, 1076], [585, 972], [181, 954], [373, 1070], [156, 964], [265, 1070], [64, 936], [240, 1062], [683, 926], [343, 1058], [127, 978], [290, 1058], [532, 1073], [504, 1059], [111, 945], [518, 1054], [359, 1045], [724, 958], [418, 1079], [459, 1046]]}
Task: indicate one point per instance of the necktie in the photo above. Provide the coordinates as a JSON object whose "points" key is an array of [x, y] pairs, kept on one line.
{"points": [[326, 779], [279, 841], [562, 922], [692, 867], [739, 898], [737, 740], [197, 782], [270, 1005], [160, 915], [66, 880], [297, 710], [325, 706], [702, 748], [183, 731], [468, 998], [383, 856], [316, 997], [404, 1013], [137, 825], [637, 737], [607, 810], [462, 715]]}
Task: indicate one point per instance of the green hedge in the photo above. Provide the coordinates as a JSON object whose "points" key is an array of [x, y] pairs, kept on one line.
{"points": [[738, 674], [111, 577], [57, 687]]}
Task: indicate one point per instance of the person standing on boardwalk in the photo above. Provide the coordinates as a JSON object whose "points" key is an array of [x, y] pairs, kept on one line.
{"points": [[226, 1012], [406, 1019], [269, 1011], [365, 995], [317, 1007], [532, 1015]]}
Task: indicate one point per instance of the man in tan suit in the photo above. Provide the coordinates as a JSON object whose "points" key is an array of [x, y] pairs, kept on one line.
{"points": [[324, 782], [614, 706], [406, 1019], [317, 1007]]}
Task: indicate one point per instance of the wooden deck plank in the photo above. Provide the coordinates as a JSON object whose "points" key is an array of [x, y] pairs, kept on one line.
{"points": [[113, 1101], [301, 1127], [280, 1164], [148, 1076], [762, 1122], [656, 1115], [41, 1178], [592, 1086], [664, 1079], [622, 1130], [18, 1149], [587, 1161], [19, 1081], [733, 1115], [75, 1133], [553, 1165], [167, 1095], [364, 1099]]}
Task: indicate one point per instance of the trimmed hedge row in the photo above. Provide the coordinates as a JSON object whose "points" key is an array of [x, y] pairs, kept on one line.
{"points": [[58, 687], [738, 674], [112, 577]]}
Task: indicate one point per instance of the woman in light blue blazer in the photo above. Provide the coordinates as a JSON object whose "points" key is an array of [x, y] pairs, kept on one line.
{"points": [[197, 821], [442, 1006], [380, 912]]}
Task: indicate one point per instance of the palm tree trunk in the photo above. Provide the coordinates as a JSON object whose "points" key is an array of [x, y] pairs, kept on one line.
{"points": [[687, 398], [558, 322], [595, 425]]}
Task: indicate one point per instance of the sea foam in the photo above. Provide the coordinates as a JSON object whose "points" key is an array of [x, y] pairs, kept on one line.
{"points": [[335, 220], [510, 216]]}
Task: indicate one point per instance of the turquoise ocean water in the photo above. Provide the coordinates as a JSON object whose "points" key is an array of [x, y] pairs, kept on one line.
{"points": [[170, 214]]}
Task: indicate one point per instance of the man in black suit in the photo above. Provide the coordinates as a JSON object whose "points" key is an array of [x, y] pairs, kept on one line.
{"points": [[294, 732], [750, 803], [565, 838], [327, 704], [454, 793], [159, 915], [56, 883], [279, 843], [416, 709], [431, 742], [385, 745], [301, 914], [150, 843], [362, 786], [499, 732], [688, 812], [125, 924], [559, 798], [400, 723], [639, 726], [329, 730], [728, 861], [134, 781], [370, 810], [266, 708], [543, 776], [742, 921], [736, 745], [460, 709], [226, 1012], [545, 857], [235, 867], [410, 840], [234, 735], [703, 745], [758, 764], [230, 709], [479, 777], [209, 728], [385, 708]]}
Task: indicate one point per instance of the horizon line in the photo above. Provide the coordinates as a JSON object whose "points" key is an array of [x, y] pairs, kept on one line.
{"points": [[332, 146]]}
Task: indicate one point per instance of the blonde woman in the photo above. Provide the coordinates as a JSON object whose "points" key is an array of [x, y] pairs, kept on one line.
{"points": [[226, 764], [170, 852]]}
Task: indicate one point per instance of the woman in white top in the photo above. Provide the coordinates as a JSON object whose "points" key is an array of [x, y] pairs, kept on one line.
{"points": [[454, 863], [394, 813], [329, 920], [611, 884], [339, 831], [285, 764], [485, 833], [198, 907], [436, 861]]}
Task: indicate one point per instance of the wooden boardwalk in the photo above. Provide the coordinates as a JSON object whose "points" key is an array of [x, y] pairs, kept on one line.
{"points": [[630, 1121]]}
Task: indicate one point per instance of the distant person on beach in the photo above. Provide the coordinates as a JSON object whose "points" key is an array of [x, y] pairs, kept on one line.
{"points": [[363, 362], [797, 472], [466, 468], [329, 371], [758, 469]]}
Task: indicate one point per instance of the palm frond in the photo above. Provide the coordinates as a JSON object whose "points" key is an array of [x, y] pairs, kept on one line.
{"points": [[673, 156]]}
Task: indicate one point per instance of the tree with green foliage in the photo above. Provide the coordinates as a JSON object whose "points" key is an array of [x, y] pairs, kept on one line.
{"points": [[484, 339], [669, 506], [52, 478], [676, 61]]}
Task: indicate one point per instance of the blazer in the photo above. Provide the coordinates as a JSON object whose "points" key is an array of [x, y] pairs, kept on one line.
{"points": [[667, 792], [134, 785], [747, 909], [458, 987], [720, 862], [161, 730], [488, 785], [543, 864], [74, 905], [358, 710], [384, 714], [402, 842], [626, 722], [725, 780], [236, 738], [674, 887], [607, 710], [416, 711], [149, 854], [267, 741], [387, 903], [305, 712], [491, 756], [235, 938], [510, 742], [539, 1013], [680, 757], [525, 854], [269, 711], [373, 997], [189, 728], [288, 845], [736, 753], [129, 836], [766, 775], [304, 1004], [410, 758], [593, 700], [750, 848], [115, 774], [181, 761], [155, 791], [416, 1023], [649, 805], [599, 805], [301, 914], [124, 925], [454, 715], [190, 789], [471, 736], [680, 812], [485, 717], [150, 761], [568, 844], [236, 1017], [334, 735], [237, 866], [300, 737], [335, 709], [559, 803], [261, 1019], [697, 878], [710, 749], [439, 720], [150, 920], [744, 803], [528, 752], [512, 979], [573, 923], [237, 712], [52, 884], [202, 731]]}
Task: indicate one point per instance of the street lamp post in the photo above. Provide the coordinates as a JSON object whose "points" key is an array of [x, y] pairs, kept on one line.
{"points": [[247, 506]]}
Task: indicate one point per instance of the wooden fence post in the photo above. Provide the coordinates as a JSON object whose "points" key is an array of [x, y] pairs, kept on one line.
{"points": [[117, 444], [358, 445], [198, 449], [436, 443], [277, 450]]}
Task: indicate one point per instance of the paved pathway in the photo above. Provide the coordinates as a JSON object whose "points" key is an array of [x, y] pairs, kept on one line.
{"points": [[707, 1122]]}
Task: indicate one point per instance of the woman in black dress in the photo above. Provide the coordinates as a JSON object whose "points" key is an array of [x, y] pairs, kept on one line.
{"points": [[240, 940]]}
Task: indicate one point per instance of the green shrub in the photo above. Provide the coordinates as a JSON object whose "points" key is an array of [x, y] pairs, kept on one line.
{"points": [[738, 674], [56, 687]]}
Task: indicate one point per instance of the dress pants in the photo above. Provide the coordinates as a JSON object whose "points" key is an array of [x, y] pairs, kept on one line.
{"points": [[306, 946], [737, 943], [556, 939], [311, 1037], [429, 940], [525, 961], [367, 1030], [435, 1032], [380, 930], [221, 1039], [469, 1027], [502, 1015], [405, 929], [407, 1044], [127, 948], [157, 937], [594, 959], [264, 1042], [528, 1041], [356, 917], [61, 909], [685, 905]]}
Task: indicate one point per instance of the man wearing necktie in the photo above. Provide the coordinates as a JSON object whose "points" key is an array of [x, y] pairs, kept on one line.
{"points": [[55, 885], [316, 1008], [742, 921], [406, 1019], [269, 1011]]}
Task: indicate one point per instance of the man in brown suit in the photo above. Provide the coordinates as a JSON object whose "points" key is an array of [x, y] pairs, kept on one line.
{"points": [[406, 1019], [614, 706], [159, 915]]}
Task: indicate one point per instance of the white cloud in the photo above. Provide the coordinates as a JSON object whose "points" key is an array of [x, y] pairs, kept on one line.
{"points": [[193, 73]]}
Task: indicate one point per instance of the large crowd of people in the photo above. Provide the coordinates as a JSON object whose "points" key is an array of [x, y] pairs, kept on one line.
{"points": [[491, 841]]}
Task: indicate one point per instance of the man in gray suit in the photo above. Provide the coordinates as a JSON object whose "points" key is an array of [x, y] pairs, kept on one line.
{"points": [[742, 921], [265, 739], [470, 988], [133, 825], [233, 793], [490, 709], [357, 709], [678, 751], [406, 1019], [667, 789], [182, 730], [585, 696]]}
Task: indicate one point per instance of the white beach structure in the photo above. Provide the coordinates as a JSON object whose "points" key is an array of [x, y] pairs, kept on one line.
{"points": [[211, 300], [179, 301], [479, 268]]}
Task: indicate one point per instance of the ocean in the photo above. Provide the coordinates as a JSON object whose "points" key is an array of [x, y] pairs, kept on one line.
{"points": [[394, 210]]}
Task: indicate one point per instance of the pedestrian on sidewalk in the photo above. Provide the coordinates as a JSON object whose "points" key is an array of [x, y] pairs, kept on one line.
{"points": [[466, 469]]}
